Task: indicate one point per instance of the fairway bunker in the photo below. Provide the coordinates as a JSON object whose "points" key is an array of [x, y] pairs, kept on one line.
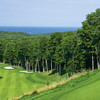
{"points": [[8, 68], [28, 72], [25, 72]]}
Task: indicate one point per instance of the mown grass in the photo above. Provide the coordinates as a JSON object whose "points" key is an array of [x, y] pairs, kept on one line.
{"points": [[14, 84], [86, 87]]}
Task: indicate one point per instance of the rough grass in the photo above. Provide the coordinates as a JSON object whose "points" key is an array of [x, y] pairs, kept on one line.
{"points": [[14, 84], [85, 87]]}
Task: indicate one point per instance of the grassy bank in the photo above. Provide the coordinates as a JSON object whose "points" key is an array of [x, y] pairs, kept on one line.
{"points": [[83, 88]]}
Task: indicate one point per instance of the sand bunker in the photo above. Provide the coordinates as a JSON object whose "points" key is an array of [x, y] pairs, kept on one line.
{"points": [[8, 67], [28, 72], [25, 72]]}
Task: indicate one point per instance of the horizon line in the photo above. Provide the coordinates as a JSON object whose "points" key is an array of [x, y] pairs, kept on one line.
{"points": [[44, 26]]}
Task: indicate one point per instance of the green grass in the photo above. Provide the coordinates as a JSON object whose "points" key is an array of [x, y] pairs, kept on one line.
{"points": [[14, 84], [86, 87]]}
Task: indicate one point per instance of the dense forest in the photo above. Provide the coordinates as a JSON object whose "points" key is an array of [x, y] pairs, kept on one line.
{"points": [[68, 52]]}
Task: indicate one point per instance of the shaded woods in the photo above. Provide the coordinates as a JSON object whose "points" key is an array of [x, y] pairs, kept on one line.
{"points": [[68, 52]]}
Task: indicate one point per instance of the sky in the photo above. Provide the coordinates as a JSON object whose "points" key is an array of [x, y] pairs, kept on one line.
{"points": [[46, 13]]}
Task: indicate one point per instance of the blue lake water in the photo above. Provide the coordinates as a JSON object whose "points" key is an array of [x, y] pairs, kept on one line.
{"points": [[38, 30]]}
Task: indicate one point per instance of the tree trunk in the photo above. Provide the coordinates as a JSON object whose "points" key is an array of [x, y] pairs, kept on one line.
{"points": [[21, 65], [51, 64], [55, 65], [98, 62], [38, 67], [32, 68], [10, 63], [67, 76], [18, 63], [43, 65], [3, 60], [25, 63], [97, 58], [46, 64], [29, 67], [59, 70], [92, 62]]}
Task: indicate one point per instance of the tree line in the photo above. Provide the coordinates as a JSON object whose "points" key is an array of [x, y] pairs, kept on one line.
{"points": [[69, 52]]}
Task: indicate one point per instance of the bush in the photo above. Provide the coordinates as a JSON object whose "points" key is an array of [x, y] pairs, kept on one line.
{"points": [[34, 92]]}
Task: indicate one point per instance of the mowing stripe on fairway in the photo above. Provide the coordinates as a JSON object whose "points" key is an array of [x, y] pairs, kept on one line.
{"points": [[12, 86], [5, 88], [24, 84], [2, 81], [18, 88]]}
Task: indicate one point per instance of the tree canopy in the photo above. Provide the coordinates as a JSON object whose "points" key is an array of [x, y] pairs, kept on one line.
{"points": [[68, 51]]}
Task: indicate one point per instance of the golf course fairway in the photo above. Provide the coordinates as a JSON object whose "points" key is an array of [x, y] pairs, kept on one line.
{"points": [[14, 83]]}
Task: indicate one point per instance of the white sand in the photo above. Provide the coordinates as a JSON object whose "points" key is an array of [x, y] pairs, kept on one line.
{"points": [[23, 71], [28, 72], [8, 67]]}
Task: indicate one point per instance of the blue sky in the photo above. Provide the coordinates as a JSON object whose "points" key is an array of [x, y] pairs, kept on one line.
{"points": [[55, 13]]}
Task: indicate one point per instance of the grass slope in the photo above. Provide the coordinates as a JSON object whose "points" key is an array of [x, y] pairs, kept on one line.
{"points": [[86, 87], [13, 83]]}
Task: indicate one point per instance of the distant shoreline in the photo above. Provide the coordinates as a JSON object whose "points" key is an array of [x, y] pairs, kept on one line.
{"points": [[37, 30]]}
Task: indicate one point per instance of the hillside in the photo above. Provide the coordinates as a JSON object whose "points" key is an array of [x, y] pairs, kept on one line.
{"points": [[86, 87], [19, 35], [13, 35], [14, 83]]}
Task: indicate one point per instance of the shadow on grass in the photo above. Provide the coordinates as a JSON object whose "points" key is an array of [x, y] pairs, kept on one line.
{"points": [[1, 77], [53, 72]]}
